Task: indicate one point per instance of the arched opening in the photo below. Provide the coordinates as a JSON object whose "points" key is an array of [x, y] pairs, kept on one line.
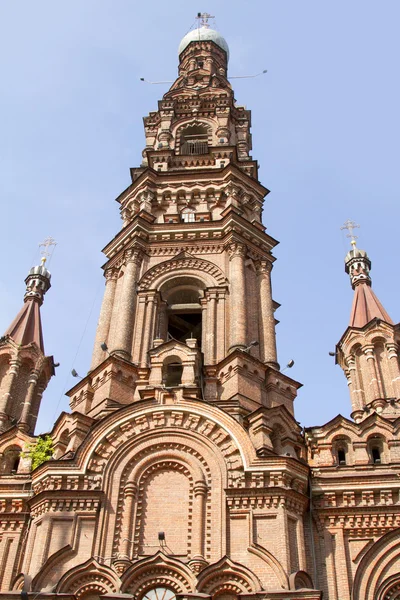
{"points": [[341, 455], [183, 309], [159, 593], [172, 372], [194, 140], [10, 461], [376, 455], [376, 450]]}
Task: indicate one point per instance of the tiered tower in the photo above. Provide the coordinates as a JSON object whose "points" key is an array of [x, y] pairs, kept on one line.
{"points": [[181, 469]]}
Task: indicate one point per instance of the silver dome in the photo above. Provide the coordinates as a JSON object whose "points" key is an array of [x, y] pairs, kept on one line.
{"points": [[204, 34]]}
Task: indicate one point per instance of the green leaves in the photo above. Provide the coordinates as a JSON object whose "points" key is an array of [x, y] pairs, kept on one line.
{"points": [[39, 451]]}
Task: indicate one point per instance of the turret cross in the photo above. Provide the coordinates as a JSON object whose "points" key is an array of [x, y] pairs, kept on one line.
{"points": [[46, 245], [350, 226]]}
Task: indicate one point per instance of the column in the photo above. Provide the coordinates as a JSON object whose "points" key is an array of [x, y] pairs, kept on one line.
{"points": [[138, 330], [26, 407], [374, 384], [356, 393], [122, 344], [221, 327], [301, 545], [126, 543], [204, 330], [198, 525], [6, 387], [36, 405], [237, 253], [341, 565], [266, 314], [330, 565], [162, 325], [103, 325], [392, 354], [147, 332], [211, 326]]}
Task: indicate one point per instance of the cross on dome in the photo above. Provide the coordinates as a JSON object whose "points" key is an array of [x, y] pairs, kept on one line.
{"points": [[350, 226], [203, 19]]}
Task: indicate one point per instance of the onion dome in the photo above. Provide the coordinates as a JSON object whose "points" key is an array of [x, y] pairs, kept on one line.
{"points": [[37, 282], [357, 265], [204, 34]]}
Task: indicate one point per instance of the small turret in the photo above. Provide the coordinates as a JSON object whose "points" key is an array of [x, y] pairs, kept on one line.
{"points": [[24, 369], [368, 350]]}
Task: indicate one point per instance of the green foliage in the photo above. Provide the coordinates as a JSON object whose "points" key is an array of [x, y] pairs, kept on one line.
{"points": [[39, 451]]}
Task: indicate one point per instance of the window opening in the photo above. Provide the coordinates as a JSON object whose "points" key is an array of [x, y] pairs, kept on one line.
{"points": [[341, 456], [194, 140], [159, 593], [188, 216], [172, 374], [376, 455]]}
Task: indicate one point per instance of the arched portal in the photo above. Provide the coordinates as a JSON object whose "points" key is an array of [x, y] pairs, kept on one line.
{"points": [[182, 296]]}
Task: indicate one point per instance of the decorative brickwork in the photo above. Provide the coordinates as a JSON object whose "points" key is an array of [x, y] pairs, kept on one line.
{"points": [[181, 470]]}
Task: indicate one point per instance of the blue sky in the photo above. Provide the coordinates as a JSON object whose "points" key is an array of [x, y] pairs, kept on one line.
{"points": [[326, 132]]}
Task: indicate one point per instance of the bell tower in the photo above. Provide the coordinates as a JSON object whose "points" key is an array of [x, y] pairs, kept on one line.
{"points": [[188, 305]]}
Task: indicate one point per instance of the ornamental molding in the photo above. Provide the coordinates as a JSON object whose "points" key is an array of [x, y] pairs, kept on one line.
{"points": [[226, 575], [89, 577], [193, 266], [158, 571], [160, 457]]}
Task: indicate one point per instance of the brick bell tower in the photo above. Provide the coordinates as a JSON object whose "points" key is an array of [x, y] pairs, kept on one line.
{"points": [[188, 303], [181, 470]]}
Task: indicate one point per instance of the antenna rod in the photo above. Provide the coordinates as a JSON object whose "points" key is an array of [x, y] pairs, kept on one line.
{"points": [[154, 82], [248, 76]]}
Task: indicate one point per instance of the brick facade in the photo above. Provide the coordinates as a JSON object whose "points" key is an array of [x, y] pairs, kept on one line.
{"points": [[181, 465]]}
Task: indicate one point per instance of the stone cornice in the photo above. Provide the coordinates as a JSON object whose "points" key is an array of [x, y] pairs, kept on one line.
{"points": [[179, 237], [198, 177]]}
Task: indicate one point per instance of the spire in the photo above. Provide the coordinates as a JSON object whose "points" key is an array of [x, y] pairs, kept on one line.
{"points": [[25, 370], [366, 305], [27, 325], [368, 350]]}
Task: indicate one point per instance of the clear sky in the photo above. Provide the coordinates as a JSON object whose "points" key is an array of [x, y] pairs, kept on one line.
{"points": [[326, 132]]}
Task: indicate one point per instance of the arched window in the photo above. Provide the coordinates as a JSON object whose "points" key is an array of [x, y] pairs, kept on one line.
{"points": [[10, 461], [376, 455], [341, 455], [172, 372], [159, 593], [376, 450], [183, 311], [194, 140]]}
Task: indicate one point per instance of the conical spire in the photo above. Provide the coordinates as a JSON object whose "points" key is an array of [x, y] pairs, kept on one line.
{"points": [[24, 367], [27, 326], [366, 305]]}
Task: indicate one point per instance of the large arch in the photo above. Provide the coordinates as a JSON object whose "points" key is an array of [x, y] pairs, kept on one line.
{"points": [[381, 561], [182, 265]]}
